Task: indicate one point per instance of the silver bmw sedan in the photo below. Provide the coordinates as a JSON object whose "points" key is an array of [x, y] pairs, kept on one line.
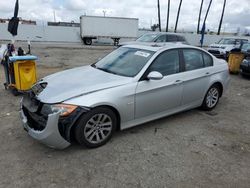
{"points": [[132, 85]]}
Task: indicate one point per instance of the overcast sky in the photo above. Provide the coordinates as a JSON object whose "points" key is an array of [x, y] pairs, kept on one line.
{"points": [[237, 13]]}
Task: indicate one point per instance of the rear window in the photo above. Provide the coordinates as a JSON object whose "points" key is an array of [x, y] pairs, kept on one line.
{"points": [[208, 61]]}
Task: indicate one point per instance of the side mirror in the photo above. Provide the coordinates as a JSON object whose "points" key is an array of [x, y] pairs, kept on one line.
{"points": [[154, 75]]}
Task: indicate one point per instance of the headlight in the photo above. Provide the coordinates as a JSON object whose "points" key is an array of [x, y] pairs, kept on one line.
{"points": [[64, 109]]}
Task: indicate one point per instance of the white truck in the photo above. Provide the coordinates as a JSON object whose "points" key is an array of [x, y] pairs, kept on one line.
{"points": [[96, 27]]}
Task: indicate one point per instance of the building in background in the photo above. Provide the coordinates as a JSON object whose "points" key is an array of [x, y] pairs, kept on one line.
{"points": [[21, 21]]}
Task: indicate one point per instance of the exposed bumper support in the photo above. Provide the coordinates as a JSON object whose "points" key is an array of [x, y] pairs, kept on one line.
{"points": [[50, 136]]}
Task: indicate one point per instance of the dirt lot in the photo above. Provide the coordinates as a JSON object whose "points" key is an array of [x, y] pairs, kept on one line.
{"points": [[190, 149]]}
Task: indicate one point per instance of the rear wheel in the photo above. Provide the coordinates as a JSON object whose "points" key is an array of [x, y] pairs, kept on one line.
{"points": [[96, 127], [87, 41], [212, 98]]}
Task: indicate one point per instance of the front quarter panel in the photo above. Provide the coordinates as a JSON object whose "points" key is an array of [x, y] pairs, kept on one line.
{"points": [[121, 98]]}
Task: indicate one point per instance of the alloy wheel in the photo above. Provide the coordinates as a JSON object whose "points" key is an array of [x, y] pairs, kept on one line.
{"points": [[212, 97], [98, 128]]}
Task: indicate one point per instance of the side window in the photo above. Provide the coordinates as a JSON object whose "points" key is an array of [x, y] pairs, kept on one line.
{"points": [[193, 59], [208, 61], [171, 38], [161, 38], [180, 38], [166, 63]]}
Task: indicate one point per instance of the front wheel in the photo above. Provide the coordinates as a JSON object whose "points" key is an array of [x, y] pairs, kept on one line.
{"points": [[212, 98], [96, 127]]}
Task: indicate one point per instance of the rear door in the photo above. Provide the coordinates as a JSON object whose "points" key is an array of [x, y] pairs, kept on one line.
{"points": [[196, 77], [156, 96]]}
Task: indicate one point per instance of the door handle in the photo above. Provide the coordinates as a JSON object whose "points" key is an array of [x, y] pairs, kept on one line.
{"points": [[178, 82], [207, 73]]}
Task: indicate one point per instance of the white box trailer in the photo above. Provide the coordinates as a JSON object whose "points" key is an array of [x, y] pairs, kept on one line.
{"points": [[95, 27]]}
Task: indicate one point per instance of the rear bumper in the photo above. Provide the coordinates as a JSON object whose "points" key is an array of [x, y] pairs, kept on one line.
{"points": [[50, 135]]}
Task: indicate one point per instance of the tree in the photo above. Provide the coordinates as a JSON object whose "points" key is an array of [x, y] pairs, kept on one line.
{"points": [[199, 19], [221, 19], [159, 14], [168, 16], [177, 18], [154, 27]]}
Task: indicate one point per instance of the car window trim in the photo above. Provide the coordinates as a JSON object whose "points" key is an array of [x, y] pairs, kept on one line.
{"points": [[144, 76]]}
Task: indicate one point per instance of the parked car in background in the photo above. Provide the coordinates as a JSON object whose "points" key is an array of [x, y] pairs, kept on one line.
{"points": [[245, 65], [222, 48], [132, 85], [157, 37], [245, 48]]}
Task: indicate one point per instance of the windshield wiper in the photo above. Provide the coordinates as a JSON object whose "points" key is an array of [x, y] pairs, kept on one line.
{"points": [[105, 70], [93, 65]]}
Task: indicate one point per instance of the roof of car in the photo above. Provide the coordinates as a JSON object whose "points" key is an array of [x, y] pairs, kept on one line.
{"points": [[234, 38], [162, 33], [156, 47]]}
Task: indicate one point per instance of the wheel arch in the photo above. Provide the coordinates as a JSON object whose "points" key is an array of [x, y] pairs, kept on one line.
{"points": [[220, 85], [72, 129]]}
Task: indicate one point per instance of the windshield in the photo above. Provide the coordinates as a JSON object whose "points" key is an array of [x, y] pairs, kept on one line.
{"points": [[227, 41], [124, 61], [245, 47], [147, 38]]}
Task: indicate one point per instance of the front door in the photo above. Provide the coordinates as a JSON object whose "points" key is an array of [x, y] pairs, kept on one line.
{"points": [[159, 96]]}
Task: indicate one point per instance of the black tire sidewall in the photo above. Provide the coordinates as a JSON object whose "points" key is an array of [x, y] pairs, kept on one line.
{"points": [[88, 41], [81, 123]]}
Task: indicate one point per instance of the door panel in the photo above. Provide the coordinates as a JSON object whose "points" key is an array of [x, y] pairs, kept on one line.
{"points": [[155, 96], [195, 84], [196, 77]]}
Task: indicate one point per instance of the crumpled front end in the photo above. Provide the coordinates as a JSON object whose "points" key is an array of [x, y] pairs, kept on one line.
{"points": [[49, 135], [47, 124]]}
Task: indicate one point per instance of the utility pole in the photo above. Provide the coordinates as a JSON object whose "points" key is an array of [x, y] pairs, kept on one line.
{"points": [[159, 14], [199, 19], [54, 12], [104, 13], [177, 18], [221, 19], [168, 16]]}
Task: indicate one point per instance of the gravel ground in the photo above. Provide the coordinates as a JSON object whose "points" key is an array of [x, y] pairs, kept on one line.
{"points": [[189, 149]]}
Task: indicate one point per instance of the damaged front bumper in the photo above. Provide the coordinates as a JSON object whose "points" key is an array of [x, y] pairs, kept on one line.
{"points": [[50, 135]]}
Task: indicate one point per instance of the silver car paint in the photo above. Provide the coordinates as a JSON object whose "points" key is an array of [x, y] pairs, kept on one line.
{"points": [[50, 136], [136, 101], [122, 98]]}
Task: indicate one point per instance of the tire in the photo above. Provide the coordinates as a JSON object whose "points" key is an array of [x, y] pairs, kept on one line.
{"points": [[14, 91], [211, 98], [98, 123], [87, 41]]}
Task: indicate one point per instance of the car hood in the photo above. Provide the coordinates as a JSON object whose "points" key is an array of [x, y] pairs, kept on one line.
{"points": [[221, 45], [75, 82]]}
